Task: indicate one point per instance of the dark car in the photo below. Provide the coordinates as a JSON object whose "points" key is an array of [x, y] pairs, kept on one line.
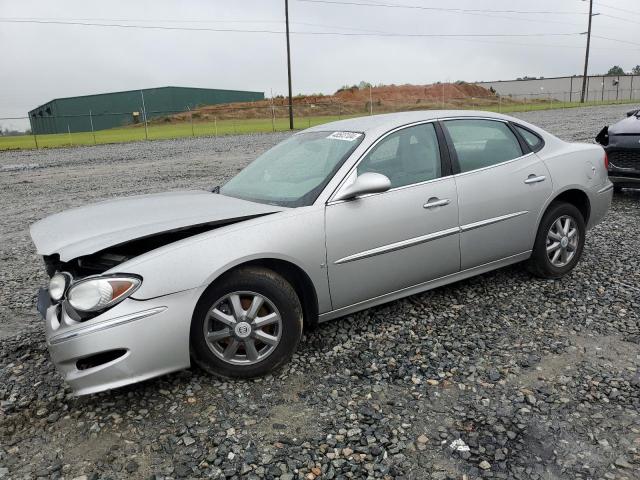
{"points": [[622, 144]]}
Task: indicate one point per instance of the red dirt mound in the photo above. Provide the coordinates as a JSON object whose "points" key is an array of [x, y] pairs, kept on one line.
{"points": [[387, 98], [412, 93]]}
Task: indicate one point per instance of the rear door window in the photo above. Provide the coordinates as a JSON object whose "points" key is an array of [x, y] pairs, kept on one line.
{"points": [[482, 143]]}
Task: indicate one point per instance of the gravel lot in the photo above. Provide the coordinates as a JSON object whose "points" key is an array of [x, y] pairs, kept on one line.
{"points": [[499, 376]]}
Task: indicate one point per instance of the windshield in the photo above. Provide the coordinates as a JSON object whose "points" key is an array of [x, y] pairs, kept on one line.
{"points": [[294, 172]]}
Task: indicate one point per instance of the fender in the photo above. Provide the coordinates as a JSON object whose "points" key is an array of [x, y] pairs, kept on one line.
{"points": [[197, 261]]}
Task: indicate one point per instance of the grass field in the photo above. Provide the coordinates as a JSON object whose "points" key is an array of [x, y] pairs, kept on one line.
{"points": [[158, 131], [225, 127]]}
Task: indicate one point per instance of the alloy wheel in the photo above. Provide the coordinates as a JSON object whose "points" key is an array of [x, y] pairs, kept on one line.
{"points": [[563, 238], [243, 328]]}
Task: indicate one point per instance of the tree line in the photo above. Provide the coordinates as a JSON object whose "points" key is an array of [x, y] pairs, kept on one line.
{"points": [[618, 70]]}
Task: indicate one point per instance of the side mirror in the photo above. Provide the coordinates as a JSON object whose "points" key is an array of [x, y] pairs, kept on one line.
{"points": [[631, 113], [364, 184]]}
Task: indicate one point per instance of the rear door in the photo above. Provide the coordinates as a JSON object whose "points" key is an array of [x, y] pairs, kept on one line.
{"points": [[502, 186]]}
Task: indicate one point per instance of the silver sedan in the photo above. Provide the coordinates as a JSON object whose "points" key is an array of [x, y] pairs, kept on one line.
{"points": [[335, 219]]}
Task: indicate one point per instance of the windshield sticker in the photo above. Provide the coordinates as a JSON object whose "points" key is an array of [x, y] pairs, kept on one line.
{"points": [[347, 136]]}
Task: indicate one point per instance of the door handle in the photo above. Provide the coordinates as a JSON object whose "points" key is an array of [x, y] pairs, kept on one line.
{"points": [[434, 202], [533, 179]]}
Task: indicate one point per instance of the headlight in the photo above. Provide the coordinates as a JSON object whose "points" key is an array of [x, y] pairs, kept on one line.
{"points": [[57, 286], [101, 292]]}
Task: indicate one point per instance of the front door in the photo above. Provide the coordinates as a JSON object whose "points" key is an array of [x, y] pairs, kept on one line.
{"points": [[502, 188], [381, 243]]}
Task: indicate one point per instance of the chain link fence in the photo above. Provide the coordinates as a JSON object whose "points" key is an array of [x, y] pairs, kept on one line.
{"points": [[266, 116]]}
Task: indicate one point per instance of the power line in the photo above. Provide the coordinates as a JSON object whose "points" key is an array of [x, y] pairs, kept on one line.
{"points": [[518, 19], [141, 20], [440, 9], [279, 32], [541, 45], [616, 40], [605, 5], [363, 33], [142, 27], [279, 22], [635, 22], [475, 12], [187, 21]]}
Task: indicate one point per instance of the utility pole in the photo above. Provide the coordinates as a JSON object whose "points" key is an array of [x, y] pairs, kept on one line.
{"points": [[586, 57], [286, 16]]}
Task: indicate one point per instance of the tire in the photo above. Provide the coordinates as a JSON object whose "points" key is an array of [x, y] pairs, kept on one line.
{"points": [[540, 263], [216, 332]]}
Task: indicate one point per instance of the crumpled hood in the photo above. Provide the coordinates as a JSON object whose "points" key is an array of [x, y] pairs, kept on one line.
{"points": [[89, 229]]}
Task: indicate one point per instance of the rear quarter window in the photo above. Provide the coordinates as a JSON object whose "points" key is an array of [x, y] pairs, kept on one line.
{"points": [[534, 141]]}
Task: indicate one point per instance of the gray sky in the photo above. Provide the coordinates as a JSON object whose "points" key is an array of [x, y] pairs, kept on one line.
{"points": [[40, 62]]}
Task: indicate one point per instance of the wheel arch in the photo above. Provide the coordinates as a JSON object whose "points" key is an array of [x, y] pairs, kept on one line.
{"points": [[294, 274], [573, 195], [576, 197]]}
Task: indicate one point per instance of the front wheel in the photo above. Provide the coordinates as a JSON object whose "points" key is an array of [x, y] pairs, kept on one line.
{"points": [[559, 241], [247, 324]]}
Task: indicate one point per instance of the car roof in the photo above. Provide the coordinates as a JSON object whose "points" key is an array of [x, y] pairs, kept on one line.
{"points": [[374, 124]]}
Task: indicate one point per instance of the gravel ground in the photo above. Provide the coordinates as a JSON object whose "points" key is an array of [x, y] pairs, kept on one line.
{"points": [[499, 376]]}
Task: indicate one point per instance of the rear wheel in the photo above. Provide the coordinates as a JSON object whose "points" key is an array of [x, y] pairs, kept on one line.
{"points": [[247, 324], [559, 241]]}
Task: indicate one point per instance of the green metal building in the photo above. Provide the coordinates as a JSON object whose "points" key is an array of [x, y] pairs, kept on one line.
{"points": [[109, 110]]}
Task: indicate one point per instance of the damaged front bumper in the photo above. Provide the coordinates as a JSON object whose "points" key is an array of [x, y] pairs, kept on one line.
{"points": [[624, 160], [133, 341]]}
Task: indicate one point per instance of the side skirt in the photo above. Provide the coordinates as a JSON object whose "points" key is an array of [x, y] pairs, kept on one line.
{"points": [[422, 287]]}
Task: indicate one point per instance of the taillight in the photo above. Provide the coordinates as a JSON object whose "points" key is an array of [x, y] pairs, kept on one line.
{"points": [[606, 161]]}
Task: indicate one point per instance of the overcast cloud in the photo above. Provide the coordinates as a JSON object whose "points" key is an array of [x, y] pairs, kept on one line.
{"points": [[40, 62]]}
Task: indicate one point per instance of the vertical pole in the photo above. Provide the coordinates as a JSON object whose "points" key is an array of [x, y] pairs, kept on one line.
{"points": [[370, 101], [617, 88], [571, 90], [286, 16], [602, 96], [35, 139], [586, 56], [273, 119], [92, 131], [69, 132], [215, 124], [273, 114], [144, 114], [191, 120]]}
